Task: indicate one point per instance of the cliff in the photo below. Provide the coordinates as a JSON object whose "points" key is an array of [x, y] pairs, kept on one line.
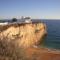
{"points": [[24, 35], [15, 37]]}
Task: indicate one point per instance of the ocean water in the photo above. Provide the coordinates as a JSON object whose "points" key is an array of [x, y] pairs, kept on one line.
{"points": [[53, 37]]}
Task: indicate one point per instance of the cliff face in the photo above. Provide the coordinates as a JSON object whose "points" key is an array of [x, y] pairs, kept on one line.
{"points": [[25, 35]]}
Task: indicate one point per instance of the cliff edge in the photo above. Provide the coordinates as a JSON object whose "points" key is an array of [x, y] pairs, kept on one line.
{"points": [[25, 35]]}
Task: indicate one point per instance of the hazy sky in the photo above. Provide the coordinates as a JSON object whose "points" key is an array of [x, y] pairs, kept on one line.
{"points": [[34, 8]]}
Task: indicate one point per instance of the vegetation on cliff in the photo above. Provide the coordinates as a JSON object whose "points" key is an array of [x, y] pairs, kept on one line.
{"points": [[14, 20]]}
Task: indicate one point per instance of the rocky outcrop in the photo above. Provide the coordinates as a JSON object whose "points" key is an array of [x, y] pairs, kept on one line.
{"points": [[25, 35]]}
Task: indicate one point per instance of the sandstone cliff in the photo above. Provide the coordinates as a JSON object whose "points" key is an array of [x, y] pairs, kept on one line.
{"points": [[25, 35], [14, 36]]}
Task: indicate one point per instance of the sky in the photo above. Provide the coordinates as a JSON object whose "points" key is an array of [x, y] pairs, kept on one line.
{"points": [[41, 9]]}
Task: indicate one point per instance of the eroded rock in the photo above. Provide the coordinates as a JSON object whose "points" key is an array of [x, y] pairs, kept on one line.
{"points": [[25, 35]]}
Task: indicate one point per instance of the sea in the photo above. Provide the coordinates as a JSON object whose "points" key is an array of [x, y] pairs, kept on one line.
{"points": [[52, 39]]}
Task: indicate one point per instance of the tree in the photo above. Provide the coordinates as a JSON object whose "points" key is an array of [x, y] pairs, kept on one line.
{"points": [[14, 20]]}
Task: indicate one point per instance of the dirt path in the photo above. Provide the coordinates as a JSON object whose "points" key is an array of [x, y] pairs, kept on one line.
{"points": [[42, 54]]}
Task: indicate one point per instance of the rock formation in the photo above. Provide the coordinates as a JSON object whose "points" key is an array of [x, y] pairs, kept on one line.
{"points": [[25, 34]]}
